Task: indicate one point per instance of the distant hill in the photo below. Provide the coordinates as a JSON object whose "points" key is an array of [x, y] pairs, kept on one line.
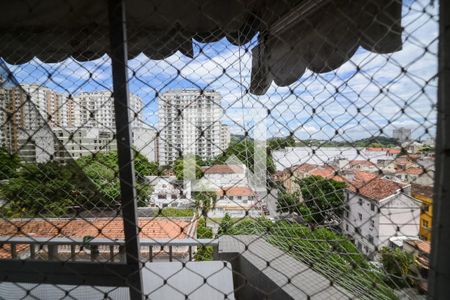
{"points": [[378, 141], [275, 143]]}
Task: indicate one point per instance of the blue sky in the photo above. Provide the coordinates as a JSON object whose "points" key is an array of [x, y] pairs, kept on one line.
{"points": [[290, 112]]}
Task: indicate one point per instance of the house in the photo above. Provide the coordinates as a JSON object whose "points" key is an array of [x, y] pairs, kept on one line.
{"points": [[169, 192], [108, 229], [378, 209], [217, 176], [237, 201], [425, 195]]}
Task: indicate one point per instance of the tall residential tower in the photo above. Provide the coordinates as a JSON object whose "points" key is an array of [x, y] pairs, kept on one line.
{"points": [[189, 123]]}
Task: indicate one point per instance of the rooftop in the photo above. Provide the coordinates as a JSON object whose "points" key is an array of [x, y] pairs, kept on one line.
{"points": [[422, 246], [110, 228], [387, 150], [373, 187], [224, 169], [423, 190], [235, 191]]}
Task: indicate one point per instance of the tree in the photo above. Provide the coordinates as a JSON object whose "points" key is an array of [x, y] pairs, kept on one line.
{"points": [[244, 150], [52, 188], [225, 225], [144, 167], [398, 266], [9, 164], [103, 169], [178, 166], [324, 198], [318, 200], [204, 232], [48, 190], [281, 143], [203, 201]]}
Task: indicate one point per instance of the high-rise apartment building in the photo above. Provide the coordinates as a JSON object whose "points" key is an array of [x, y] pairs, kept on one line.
{"points": [[402, 134], [24, 123], [189, 123], [96, 109], [40, 124]]}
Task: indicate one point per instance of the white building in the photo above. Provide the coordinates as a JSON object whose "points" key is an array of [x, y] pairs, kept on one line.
{"points": [[217, 176], [236, 201], [145, 141], [78, 142], [381, 209], [402, 134], [34, 118], [96, 109], [24, 130], [168, 192], [189, 123]]}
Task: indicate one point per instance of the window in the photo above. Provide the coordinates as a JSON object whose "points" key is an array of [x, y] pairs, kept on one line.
{"points": [[360, 202], [372, 207], [360, 216], [358, 244], [372, 223], [347, 214], [425, 224], [370, 239], [346, 227]]}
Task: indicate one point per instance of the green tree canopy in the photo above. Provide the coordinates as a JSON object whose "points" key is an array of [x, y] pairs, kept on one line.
{"points": [[281, 143], [318, 200], [9, 164], [178, 166], [244, 150], [51, 188], [399, 267], [225, 225], [204, 201], [103, 169], [48, 190]]}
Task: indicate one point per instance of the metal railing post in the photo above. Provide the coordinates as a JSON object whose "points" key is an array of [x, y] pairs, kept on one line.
{"points": [[119, 59], [439, 278]]}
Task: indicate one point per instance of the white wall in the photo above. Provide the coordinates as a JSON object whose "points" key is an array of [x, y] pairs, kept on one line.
{"points": [[380, 219]]}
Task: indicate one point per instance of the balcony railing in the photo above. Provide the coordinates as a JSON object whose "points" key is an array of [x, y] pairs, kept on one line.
{"points": [[99, 249]]}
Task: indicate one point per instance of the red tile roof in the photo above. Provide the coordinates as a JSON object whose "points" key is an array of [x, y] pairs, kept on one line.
{"points": [[373, 187], [111, 228], [304, 167], [224, 169], [99, 228], [423, 190], [422, 246], [388, 150], [236, 191], [362, 162], [326, 172], [412, 171]]}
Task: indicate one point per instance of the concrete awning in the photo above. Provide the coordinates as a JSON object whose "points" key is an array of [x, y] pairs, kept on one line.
{"points": [[293, 35]]}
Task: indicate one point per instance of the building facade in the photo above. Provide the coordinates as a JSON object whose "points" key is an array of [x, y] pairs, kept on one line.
{"points": [[402, 134], [377, 210], [425, 195], [40, 124], [169, 192], [189, 123]]}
